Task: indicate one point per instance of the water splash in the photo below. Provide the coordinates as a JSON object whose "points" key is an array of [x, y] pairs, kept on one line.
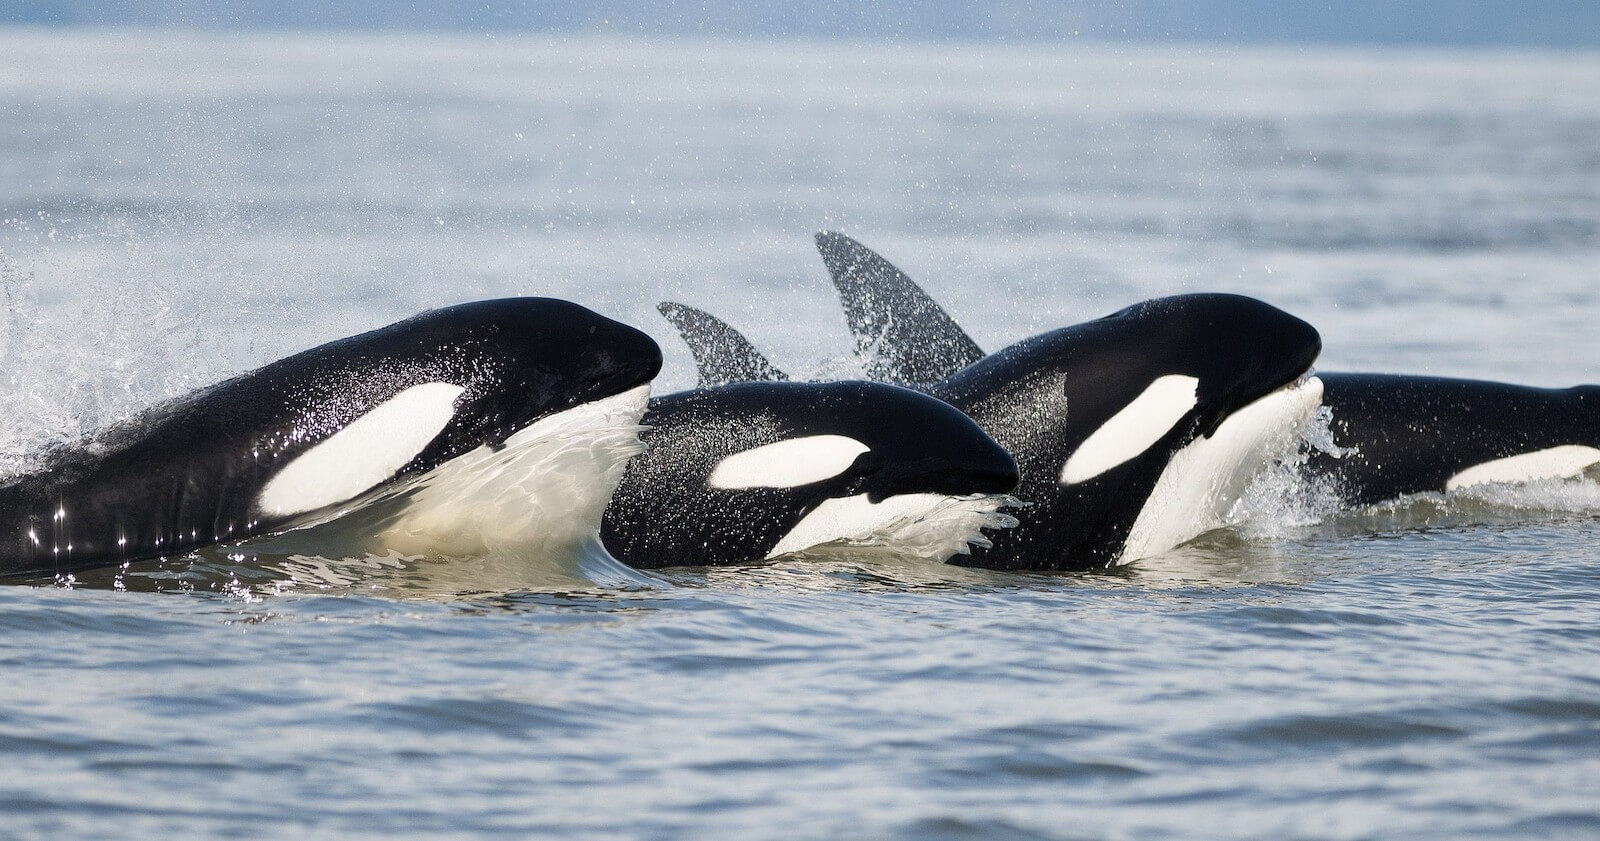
{"points": [[526, 516], [72, 363], [1288, 501], [1284, 496], [946, 527]]}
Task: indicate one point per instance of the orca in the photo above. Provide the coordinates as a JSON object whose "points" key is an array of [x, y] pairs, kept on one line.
{"points": [[434, 409], [1394, 435], [750, 471], [1399, 435], [1133, 433]]}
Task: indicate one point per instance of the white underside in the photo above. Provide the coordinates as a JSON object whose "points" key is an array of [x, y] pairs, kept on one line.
{"points": [[540, 496], [1560, 462], [525, 514], [929, 527], [1202, 481]]}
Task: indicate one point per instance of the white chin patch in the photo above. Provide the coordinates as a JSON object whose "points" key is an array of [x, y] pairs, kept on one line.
{"points": [[1554, 463], [1203, 481], [367, 451], [787, 464], [1132, 430], [910, 526]]}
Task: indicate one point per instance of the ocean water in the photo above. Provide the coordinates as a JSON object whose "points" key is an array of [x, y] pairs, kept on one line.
{"points": [[176, 207]]}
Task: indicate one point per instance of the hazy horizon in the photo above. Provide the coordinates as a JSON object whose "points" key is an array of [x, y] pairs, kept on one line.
{"points": [[1533, 23]]}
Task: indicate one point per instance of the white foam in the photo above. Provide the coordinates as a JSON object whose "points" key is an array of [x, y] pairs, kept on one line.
{"points": [[787, 464], [1133, 429], [364, 453], [1202, 482], [1285, 496], [928, 527]]}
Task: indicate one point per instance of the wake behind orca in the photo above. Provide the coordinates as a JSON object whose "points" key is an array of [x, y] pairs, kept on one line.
{"points": [[1133, 433], [1397, 435], [418, 412]]}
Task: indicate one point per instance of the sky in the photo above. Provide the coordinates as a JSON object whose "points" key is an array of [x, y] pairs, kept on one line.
{"points": [[1537, 23]]}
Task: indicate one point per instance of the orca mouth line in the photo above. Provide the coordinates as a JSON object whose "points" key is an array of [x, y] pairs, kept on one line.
{"points": [[1305, 377], [1291, 384], [1207, 428], [1202, 482], [606, 387]]}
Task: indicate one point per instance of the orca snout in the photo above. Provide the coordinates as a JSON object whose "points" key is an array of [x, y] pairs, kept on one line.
{"points": [[1301, 343], [992, 477], [1266, 347], [619, 358], [948, 454], [983, 467], [995, 472]]}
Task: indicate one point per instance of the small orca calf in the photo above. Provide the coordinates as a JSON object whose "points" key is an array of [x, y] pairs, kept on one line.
{"points": [[1397, 435], [1134, 433], [434, 409], [746, 472], [1403, 435]]}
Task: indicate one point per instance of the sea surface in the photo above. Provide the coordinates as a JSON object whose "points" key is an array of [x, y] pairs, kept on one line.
{"points": [[177, 207]]}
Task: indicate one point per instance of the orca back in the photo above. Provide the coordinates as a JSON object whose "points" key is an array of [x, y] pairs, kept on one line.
{"points": [[1410, 434]]}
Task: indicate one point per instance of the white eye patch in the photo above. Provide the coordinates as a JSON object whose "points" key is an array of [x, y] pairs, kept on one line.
{"points": [[787, 464], [367, 451], [1132, 430]]}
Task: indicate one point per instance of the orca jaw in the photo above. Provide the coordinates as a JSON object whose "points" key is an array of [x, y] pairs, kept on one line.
{"points": [[612, 360], [1203, 481], [929, 527], [918, 509], [882, 513]]}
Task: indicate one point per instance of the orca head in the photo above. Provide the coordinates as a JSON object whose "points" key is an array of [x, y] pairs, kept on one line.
{"points": [[1098, 415], [1236, 349], [745, 472], [529, 358], [405, 399]]}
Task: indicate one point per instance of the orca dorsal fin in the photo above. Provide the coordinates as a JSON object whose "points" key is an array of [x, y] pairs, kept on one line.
{"points": [[722, 355], [904, 335]]}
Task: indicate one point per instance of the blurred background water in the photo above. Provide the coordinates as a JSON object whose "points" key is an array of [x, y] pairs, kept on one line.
{"points": [[176, 207]]}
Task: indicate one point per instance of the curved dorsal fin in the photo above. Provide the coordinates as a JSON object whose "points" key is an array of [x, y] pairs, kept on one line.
{"points": [[722, 355], [905, 337]]}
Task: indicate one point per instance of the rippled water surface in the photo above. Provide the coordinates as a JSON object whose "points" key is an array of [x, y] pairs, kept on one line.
{"points": [[176, 208]]}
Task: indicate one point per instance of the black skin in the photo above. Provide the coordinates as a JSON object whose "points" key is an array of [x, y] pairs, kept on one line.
{"points": [[1042, 397], [186, 474], [710, 339], [665, 514], [1411, 434]]}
